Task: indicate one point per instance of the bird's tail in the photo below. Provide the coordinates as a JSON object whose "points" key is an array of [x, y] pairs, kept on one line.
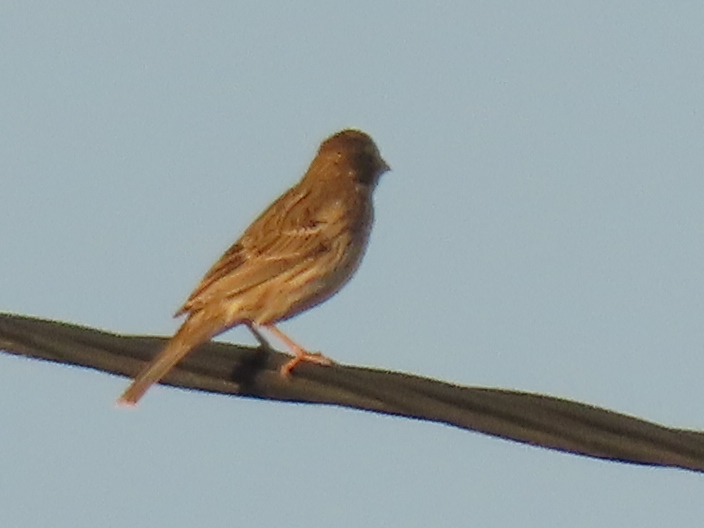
{"points": [[197, 329]]}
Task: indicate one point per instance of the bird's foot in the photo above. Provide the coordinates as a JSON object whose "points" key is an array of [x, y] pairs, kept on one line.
{"points": [[301, 355]]}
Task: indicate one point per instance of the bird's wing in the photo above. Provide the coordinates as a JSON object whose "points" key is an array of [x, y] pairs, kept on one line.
{"points": [[285, 235]]}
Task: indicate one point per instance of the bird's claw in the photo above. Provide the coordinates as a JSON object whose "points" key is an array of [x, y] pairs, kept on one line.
{"points": [[311, 357]]}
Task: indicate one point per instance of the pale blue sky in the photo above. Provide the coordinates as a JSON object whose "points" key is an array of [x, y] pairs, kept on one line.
{"points": [[542, 230]]}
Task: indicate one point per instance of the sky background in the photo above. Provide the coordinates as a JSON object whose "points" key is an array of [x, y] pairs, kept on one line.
{"points": [[542, 230]]}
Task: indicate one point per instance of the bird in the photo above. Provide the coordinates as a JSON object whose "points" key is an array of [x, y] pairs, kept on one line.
{"points": [[297, 254]]}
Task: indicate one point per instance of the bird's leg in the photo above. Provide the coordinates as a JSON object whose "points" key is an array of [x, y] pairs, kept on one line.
{"points": [[263, 343], [300, 353]]}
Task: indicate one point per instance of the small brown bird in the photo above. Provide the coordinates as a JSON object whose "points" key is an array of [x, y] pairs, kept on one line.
{"points": [[300, 251]]}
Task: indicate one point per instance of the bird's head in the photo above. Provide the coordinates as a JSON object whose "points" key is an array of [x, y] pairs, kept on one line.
{"points": [[357, 154]]}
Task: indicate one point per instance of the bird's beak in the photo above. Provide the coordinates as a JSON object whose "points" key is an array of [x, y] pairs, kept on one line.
{"points": [[385, 167]]}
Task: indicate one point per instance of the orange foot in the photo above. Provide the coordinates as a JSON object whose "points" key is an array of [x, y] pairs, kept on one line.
{"points": [[302, 355], [298, 351]]}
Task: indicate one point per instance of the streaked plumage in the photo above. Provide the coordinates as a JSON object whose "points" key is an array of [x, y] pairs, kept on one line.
{"points": [[300, 251]]}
